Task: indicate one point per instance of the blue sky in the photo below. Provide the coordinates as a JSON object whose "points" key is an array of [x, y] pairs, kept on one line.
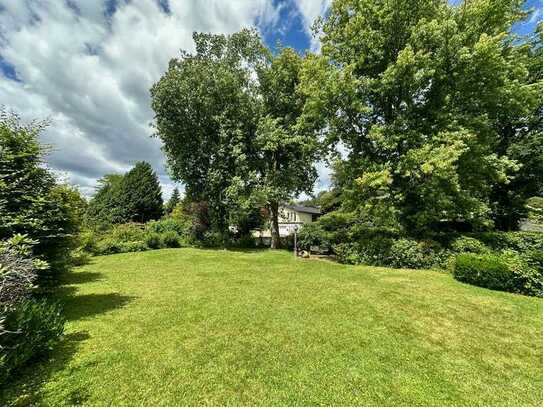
{"points": [[88, 66]]}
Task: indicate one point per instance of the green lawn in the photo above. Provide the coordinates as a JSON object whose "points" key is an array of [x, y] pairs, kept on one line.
{"points": [[196, 327]]}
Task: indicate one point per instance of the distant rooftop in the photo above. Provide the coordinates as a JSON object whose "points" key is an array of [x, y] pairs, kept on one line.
{"points": [[303, 209]]}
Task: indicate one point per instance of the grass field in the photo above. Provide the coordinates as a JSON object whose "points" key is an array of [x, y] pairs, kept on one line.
{"points": [[195, 327]]}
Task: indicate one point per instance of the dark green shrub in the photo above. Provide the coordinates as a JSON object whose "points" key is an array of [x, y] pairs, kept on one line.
{"points": [[154, 240], [313, 234], [348, 253], [535, 259], [27, 331], [507, 271], [213, 239], [337, 226], [245, 242], [32, 201], [171, 238]]}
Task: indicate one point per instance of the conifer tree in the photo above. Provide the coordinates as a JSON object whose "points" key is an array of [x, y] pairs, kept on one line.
{"points": [[175, 199], [141, 195]]}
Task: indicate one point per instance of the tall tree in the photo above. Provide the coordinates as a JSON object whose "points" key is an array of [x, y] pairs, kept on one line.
{"points": [[32, 201], [105, 207], [206, 112], [415, 91], [140, 194], [174, 200], [287, 153], [228, 119]]}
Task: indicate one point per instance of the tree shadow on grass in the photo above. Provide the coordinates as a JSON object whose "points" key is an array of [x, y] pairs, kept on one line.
{"points": [[82, 277], [78, 307], [25, 388]]}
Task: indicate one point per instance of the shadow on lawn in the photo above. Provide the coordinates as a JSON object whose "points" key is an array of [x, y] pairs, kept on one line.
{"points": [[81, 278], [78, 307], [25, 388]]}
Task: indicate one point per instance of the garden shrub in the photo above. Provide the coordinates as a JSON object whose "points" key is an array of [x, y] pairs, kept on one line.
{"points": [[28, 327], [169, 225], [506, 271], [27, 331], [154, 240], [313, 234], [466, 244], [520, 242], [130, 247], [338, 226], [128, 232], [245, 242], [408, 253], [32, 201], [108, 245], [171, 239]]}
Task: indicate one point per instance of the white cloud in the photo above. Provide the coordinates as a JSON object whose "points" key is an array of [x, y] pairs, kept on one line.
{"points": [[91, 72], [310, 11]]}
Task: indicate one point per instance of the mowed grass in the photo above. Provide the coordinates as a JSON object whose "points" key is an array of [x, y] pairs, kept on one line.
{"points": [[196, 327]]}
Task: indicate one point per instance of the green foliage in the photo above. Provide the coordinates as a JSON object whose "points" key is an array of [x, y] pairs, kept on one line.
{"points": [[507, 271], [32, 202], [466, 244], [313, 234], [154, 240], [408, 253], [174, 200], [28, 331], [130, 247], [109, 245], [105, 207], [141, 195], [521, 242], [171, 239], [133, 197], [208, 142], [427, 146], [237, 144], [534, 206]]}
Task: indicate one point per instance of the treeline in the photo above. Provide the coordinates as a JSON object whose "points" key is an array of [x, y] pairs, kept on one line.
{"points": [[429, 113]]}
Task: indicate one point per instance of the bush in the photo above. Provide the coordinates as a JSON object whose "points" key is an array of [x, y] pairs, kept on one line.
{"points": [[154, 240], [27, 331], [407, 253], [245, 242], [505, 272], [130, 247], [521, 242], [171, 238], [313, 234], [466, 244], [213, 239], [108, 245], [128, 232], [178, 226]]}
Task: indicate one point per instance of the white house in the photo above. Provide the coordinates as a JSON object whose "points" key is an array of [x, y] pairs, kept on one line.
{"points": [[290, 217]]}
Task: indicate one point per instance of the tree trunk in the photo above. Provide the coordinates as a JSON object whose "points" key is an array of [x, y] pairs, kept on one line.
{"points": [[274, 215]]}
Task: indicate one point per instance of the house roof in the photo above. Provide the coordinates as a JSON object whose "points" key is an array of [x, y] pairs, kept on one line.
{"points": [[303, 209]]}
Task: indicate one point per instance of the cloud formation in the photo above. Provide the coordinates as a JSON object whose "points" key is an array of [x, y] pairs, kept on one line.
{"points": [[89, 65]]}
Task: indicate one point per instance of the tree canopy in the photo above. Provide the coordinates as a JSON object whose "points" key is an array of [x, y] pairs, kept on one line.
{"points": [[421, 94], [227, 116]]}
